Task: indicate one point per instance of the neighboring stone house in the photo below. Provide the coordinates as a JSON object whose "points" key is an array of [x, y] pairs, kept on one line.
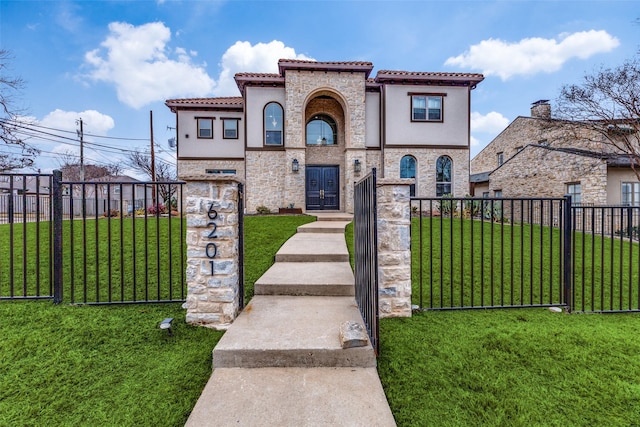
{"points": [[304, 135], [538, 156]]}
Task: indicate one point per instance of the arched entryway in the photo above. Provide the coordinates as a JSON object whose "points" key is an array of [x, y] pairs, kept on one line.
{"points": [[325, 153]]}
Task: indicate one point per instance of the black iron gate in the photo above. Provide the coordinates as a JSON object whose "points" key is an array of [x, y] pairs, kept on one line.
{"points": [[366, 255], [91, 242]]}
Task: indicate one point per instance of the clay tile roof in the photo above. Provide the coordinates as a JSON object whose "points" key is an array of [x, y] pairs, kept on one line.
{"points": [[465, 79], [258, 75], [228, 102], [346, 66]]}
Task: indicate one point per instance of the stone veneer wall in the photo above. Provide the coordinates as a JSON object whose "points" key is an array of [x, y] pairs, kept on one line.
{"points": [[212, 299], [265, 177], [426, 168], [199, 167], [394, 247], [554, 169]]}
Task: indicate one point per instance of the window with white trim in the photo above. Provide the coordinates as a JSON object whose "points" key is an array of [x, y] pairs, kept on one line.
{"points": [[574, 189], [630, 194]]}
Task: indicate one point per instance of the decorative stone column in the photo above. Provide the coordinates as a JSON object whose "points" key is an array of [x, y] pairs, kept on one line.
{"points": [[213, 248], [394, 247]]}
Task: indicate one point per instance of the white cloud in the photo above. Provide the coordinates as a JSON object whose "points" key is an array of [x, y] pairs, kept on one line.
{"points": [[474, 141], [492, 122], [532, 55], [94, 122], [260, 58], [136, 61]]}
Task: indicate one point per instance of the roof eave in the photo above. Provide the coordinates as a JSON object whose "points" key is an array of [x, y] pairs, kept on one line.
{"points": [[365, 68]]}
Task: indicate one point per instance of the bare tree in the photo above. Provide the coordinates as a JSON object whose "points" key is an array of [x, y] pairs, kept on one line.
{"points": [[141, 161], [9, 87], [70, 167], [604, 109]]}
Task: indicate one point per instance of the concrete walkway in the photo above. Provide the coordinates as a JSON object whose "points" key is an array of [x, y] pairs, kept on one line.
{"points": [[281, 363]]}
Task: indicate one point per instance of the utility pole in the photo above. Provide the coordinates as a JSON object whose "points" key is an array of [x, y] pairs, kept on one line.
{"points": [[153, 159], [81, 135]]}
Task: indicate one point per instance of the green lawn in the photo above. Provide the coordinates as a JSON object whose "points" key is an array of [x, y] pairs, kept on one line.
{"points": [[71, 365], [475, 263], [511, 367]]}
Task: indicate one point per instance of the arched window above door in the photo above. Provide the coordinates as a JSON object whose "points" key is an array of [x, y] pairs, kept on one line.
{"points": [[408, 170], [322, 130]]}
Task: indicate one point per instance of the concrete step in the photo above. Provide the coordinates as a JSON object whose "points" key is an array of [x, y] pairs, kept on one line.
{"points": [[307, 278], [292, 331], [292, 397], [323, 227], [331, 216], [314, 247]]}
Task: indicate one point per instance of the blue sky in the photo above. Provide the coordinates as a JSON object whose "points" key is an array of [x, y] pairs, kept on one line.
{"points": [[111, 62]]}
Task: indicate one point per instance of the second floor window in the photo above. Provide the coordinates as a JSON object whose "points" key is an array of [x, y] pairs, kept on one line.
{"points": [[425, 108], [322, 130], [230, 128], [273, 124], [205, 127], [500, 159]]}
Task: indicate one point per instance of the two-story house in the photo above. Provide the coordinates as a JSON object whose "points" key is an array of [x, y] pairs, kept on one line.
{"points": [[539, 156], [304, 135]]}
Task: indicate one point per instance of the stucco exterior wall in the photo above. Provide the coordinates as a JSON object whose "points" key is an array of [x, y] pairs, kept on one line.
{"points": [[615, 178], [256, 98], [372, 130], [400, 130], [190, 146], [426, 168]]}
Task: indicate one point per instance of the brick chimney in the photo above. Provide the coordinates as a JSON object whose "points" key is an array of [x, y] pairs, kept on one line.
{"points": [[541, 109]]}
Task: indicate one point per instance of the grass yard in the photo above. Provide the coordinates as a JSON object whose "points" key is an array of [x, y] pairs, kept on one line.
{"points": [[478, 263], [511, 367], [515, 367], [71, 365]]}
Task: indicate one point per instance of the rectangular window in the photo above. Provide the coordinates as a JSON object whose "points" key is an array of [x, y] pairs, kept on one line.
{"points": [[273, 137], [205, 127], [497, 193], [631, 193], [230, 127], [426, 108], [500, 159], [574, 189]]}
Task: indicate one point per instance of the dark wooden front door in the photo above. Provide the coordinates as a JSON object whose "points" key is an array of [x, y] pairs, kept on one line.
{"points": [[323, 187]]}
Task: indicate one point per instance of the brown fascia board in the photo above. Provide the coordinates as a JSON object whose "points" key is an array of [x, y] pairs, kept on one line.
{"points": [[425, 78], [206, 104], [255, 79], [350, 67]]}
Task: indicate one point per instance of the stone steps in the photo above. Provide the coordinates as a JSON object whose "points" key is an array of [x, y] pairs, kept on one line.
{"points": [[292, 331], [304, 247], [307, 278]]}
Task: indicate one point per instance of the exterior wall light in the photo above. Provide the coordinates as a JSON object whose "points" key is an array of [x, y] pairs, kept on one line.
{"points": [[357, 166], [295, 166]]}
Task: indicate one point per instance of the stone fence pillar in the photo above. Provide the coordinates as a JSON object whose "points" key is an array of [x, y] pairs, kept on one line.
{"points": [[213, 249], [394, 247]]}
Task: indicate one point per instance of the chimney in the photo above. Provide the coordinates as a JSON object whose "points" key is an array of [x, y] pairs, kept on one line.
{"points": [[541, 109]]}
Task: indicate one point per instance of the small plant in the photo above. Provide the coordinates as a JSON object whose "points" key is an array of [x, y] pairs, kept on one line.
{"points": [[292, 205], [447, 206], [111, 213], [139, 212], [157, 209], [472, 208], [263, 210]]}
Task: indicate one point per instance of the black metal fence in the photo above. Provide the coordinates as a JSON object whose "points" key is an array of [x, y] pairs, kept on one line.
{"points": [[366, 255], [26, 236], [606, 254], [90, 250], [486, 253]]}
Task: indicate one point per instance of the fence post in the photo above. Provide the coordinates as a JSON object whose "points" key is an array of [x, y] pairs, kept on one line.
{"points": [[568, 232], [57, 236]]}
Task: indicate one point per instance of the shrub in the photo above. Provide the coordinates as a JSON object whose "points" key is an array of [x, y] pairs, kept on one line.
{"points": [[157, 209], [111, 213], [263, 210]]}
